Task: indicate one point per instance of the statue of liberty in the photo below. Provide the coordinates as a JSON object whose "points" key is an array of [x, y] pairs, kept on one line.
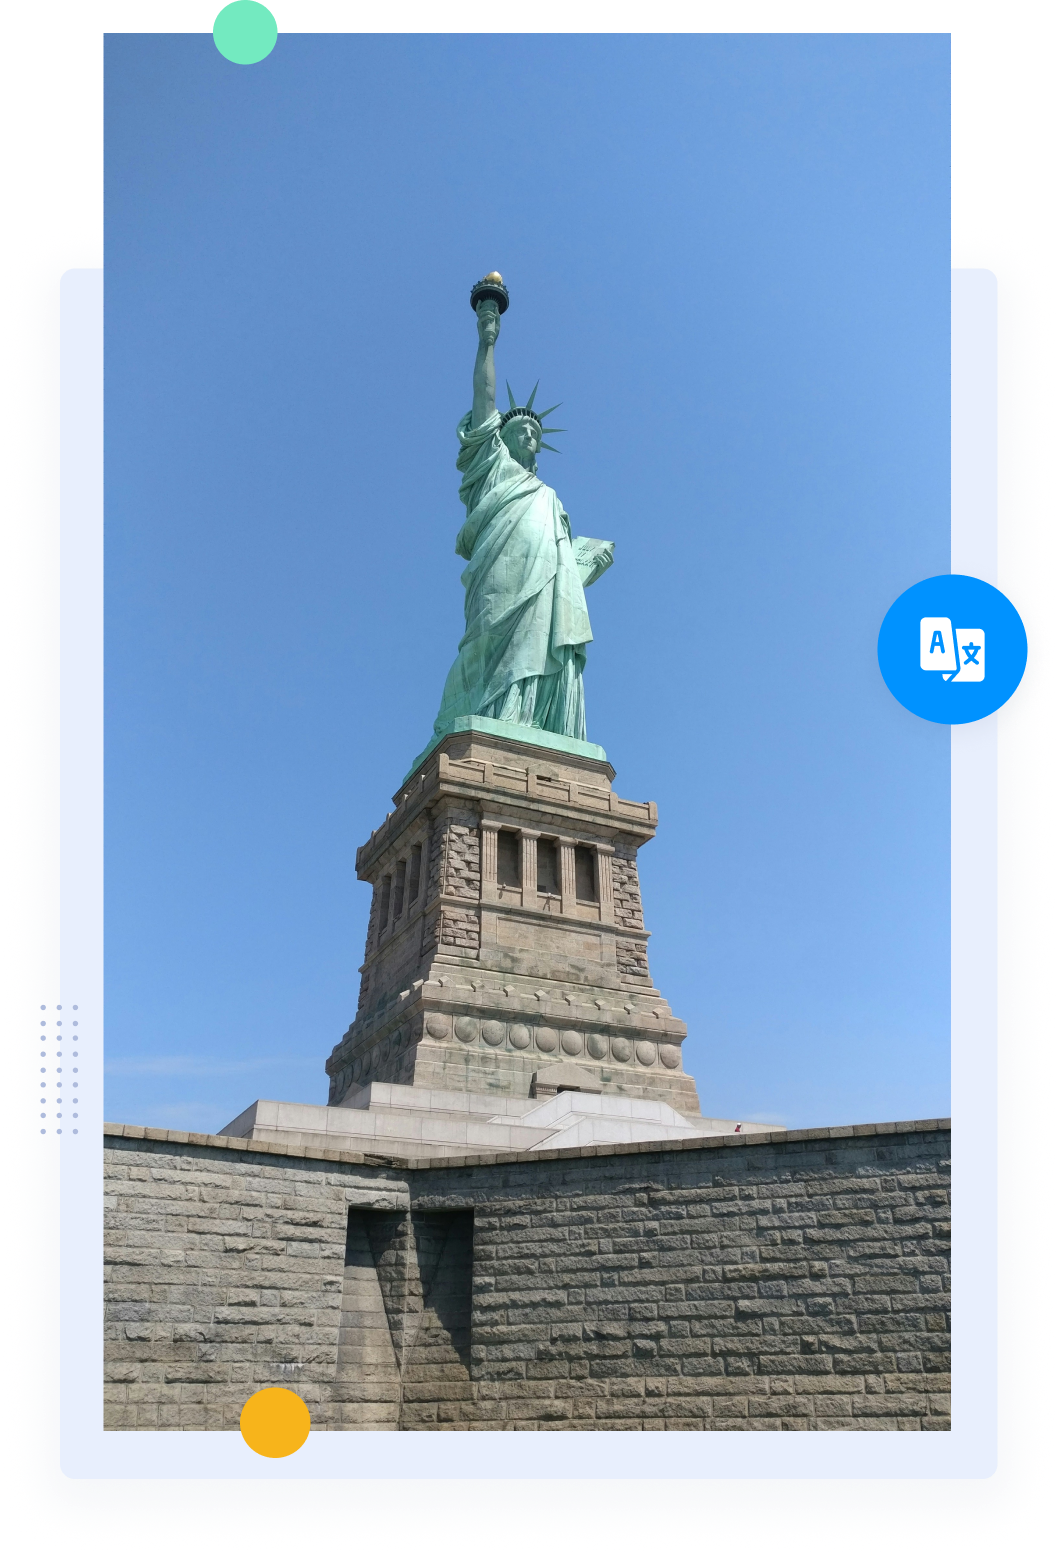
{"points": [[521, 659]]}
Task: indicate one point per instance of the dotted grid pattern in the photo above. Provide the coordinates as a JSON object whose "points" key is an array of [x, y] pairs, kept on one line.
{"points": [[59, 1069]]}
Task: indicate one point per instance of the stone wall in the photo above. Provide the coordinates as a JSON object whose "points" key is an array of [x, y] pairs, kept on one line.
{"points": [[405, 1323], [627, 900], [779, 1281], [462, 859], [796, 1284], [632, 961]]}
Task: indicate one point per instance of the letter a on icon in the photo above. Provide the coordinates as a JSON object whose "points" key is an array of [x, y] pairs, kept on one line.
{"points": [[937, 644]]}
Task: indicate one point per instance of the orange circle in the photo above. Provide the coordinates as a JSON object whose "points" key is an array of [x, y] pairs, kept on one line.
{"points": [[274, 1422]]}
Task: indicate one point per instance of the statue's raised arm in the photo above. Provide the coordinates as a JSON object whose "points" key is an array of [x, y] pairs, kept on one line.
{"points": [[484, 364]]}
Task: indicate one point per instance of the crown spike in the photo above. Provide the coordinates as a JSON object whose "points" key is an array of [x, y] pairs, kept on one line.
{"points": [[547, 412], [532, 396], [548, 445], [550, 429], [510, 396]]}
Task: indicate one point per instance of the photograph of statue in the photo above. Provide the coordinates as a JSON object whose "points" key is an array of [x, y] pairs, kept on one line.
{"points": [[485, 1051]]}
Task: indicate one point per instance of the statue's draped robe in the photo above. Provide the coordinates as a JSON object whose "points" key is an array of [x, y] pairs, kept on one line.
{"points": [[522, 657]]}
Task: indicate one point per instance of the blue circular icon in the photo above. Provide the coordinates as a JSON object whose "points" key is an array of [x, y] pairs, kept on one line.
{"points": [[952, 649]]}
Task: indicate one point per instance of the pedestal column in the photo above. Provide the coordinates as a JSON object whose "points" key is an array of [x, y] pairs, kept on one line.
{"points": [[604, 870], [529, 839], [489, 830], [567, 875]]}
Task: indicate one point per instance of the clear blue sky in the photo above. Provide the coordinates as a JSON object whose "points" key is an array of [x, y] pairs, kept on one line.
{"points": [[729, 258]]}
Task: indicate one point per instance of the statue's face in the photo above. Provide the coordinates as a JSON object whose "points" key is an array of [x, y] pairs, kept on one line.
{"points": [[523, 436]]}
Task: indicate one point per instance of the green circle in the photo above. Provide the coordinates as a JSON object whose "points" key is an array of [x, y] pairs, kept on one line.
{"points": [[245, 32]]}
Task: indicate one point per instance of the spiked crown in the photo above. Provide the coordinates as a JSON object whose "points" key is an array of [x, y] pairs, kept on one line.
{"points": [[527, 410]]}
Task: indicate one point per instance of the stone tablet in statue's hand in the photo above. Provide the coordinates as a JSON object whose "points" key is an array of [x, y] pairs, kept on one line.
{"points": [[593, 557]]}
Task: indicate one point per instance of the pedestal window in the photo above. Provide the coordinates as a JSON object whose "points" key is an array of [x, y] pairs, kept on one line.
{"points": [[587, 882], [547, 881], [509, 859]]}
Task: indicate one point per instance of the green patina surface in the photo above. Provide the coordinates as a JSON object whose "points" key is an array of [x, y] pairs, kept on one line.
{"points": [[521, 660]]}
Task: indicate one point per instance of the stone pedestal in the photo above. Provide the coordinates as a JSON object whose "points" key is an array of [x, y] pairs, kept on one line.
{"points": [[506, 934]]}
